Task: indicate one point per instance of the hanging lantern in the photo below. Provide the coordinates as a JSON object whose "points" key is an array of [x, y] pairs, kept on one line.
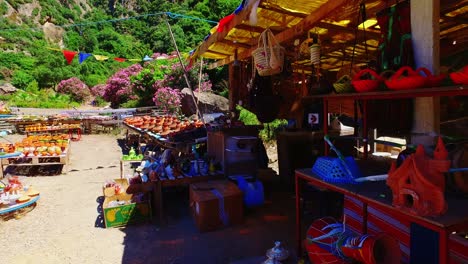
{"points": [[315, 52]]}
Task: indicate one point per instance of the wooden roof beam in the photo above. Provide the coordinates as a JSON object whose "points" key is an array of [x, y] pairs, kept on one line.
{"points": [[236, 44], [360, 32], [267, 6], [306, 24]]}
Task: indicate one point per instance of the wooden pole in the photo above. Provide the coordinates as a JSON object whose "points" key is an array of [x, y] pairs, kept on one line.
{"points": [[425, 34]]}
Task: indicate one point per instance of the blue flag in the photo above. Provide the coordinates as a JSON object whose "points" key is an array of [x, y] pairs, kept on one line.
{"points": [[84, 56]]}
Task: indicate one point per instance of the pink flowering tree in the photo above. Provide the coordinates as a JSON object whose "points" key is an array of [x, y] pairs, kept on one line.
{"points": [[98, 90], [119, 88], [168, 99], [77, 89]]}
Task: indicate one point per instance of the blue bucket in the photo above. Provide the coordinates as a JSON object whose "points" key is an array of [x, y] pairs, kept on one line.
{"points": [[253, 192]]}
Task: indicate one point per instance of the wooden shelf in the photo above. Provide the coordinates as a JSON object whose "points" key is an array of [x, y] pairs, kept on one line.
{"points": [[422, 92]]}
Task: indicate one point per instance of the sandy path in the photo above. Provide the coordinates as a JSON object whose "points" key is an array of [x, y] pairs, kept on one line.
{"points": [[61, 229]]}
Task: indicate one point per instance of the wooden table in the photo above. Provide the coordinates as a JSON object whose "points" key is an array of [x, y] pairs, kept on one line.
{"points": [[155, 189], [377, 193]]}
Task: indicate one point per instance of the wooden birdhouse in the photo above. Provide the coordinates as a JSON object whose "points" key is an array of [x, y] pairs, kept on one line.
{"points": [[418, 184]]}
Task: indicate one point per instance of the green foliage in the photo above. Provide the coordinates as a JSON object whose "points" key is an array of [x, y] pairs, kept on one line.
{"points": [[21, 79], [269, 130], [3, 8], [26, 57], [131, 104], [99, 101], [44, 98]]}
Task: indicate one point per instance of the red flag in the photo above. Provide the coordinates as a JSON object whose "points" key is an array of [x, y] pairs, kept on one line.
{"points": [[224, 21], [69, 55], [120, 59]]}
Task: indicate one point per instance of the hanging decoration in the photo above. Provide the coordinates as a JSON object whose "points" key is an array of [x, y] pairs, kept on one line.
{"points": [[101, 57], [224, 22], [120, 59], [69, 55], [83, 56], [240, 7], [253, 13]]}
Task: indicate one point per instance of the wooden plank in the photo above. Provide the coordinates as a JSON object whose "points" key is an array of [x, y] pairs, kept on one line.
{"points": [[301, 28]]}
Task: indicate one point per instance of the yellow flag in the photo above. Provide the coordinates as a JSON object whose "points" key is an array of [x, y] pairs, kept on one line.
{"points": [[101, 57]]}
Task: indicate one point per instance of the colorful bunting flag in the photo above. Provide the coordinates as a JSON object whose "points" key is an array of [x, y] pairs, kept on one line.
{"points": [[83, 56], [240, 7], [147, 58], [101, 57], [69, 55], [120, 59], [224, 21]]}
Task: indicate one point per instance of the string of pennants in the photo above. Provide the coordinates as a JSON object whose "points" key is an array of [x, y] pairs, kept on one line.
{"points": [[82, 56]]}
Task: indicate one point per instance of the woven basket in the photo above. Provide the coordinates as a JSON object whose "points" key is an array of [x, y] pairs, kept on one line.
{"points": [[366, 85], [269, 56], [431, 80], [343, 85], [400, 82]]}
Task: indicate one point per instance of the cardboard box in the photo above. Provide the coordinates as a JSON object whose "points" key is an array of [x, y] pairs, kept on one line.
{"points": [[110, 191], [125, 214], [207, 209]]}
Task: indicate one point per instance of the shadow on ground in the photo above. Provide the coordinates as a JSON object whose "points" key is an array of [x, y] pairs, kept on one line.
{"points": [[179, 241], [44, 170]]}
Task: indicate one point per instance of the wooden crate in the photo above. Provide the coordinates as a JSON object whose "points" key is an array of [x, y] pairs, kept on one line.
{"points": [[63, 159]]}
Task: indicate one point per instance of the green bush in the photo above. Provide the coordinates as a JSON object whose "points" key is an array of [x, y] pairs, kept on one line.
{"points": [[21, 79], [269, 130]]}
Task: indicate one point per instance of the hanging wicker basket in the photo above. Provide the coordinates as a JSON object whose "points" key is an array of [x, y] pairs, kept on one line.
{"points": [[269, 56]]}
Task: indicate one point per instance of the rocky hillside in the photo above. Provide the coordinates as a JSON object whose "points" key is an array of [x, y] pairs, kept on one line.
{"points": [[33, 34]]}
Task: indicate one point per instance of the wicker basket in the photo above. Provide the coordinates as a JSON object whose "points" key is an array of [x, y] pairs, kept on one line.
{"points": [[343, 85], [269, 56], [400, 82], [431, 80], [366, 85]]}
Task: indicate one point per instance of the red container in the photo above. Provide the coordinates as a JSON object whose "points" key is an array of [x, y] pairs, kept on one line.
{"points": [[362, 86], [400, 82], [460, 77], [431, 80], [380, 249], [319, 252]]}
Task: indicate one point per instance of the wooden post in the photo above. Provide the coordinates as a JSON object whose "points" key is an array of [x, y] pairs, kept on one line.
{"points": [[234, 83], [425, 34]]}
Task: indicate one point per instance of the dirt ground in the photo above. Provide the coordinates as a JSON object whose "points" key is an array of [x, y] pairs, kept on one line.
{"points": [[61, 229]]}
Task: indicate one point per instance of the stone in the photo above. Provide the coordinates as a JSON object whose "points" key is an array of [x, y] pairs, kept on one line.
{"points": [[207, 102], [7, 88]]}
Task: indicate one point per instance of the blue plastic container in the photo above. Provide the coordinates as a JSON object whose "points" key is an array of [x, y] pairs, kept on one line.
{"points": [[332, 170], [252, 191]]}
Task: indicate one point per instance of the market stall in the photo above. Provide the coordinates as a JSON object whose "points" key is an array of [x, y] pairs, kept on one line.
{"points": [[373, 66], [38, 150]]}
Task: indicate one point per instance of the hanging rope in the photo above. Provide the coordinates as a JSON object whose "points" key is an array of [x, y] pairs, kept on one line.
{"points": [[200, 77], [199, 114]]}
